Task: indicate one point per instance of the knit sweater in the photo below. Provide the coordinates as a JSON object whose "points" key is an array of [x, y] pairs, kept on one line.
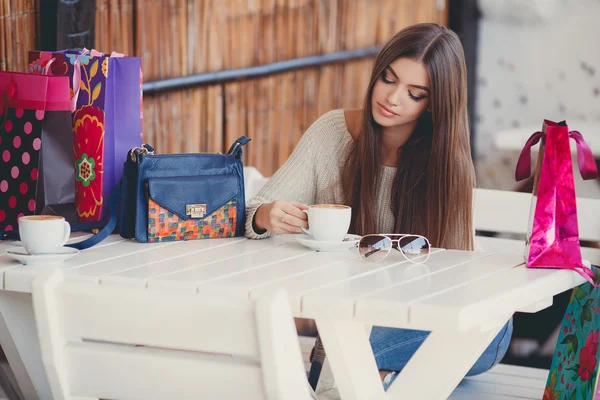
{"points": [[312, 174]]}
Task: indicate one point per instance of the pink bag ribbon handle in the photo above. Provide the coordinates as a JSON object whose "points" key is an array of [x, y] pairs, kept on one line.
{"points": [[9, 93], [76, 80], [585, 158], [587, 274], [76, 84], [524, 164], [92, 52], [96, 53]]}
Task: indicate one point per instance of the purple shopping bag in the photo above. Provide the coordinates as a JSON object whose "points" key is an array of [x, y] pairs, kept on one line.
{"points": [[106, 119]]}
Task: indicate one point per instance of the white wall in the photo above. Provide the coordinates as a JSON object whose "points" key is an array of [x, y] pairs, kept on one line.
{"points": [[537, 59]]}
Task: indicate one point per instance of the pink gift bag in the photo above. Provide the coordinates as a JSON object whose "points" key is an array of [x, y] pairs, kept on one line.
{"points": [[553, 235], [37, 175]]}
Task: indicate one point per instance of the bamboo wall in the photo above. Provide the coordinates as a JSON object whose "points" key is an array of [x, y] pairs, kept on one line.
{"points": [[183, 37], [17, 33]]}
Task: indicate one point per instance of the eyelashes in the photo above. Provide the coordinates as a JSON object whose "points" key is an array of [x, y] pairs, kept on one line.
{"points": [[385, 79], [415, 98], [391, 82]]}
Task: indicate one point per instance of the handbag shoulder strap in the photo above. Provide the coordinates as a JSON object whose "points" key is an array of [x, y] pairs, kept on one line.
{"points": [[236, 148], [110, 224]]}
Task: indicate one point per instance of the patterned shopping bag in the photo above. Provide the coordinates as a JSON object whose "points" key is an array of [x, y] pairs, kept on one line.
{"points": [[553, 237], [106, 119], [36, 168], [574, 370]]}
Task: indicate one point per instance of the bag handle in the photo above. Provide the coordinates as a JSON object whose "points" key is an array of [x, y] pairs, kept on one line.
{"points": [[236, 148], [76, 80], [110, 224], [523, 170], [7, 96], [585, 157], [587, 274]]}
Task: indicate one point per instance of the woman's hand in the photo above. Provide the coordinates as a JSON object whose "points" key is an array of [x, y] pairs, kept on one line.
{"points": [[281, 217]]}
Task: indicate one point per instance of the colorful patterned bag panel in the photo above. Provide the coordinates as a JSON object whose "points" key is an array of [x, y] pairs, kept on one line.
{"points": [[95, 120], [163, 225], [574, 369], [186, 208]]}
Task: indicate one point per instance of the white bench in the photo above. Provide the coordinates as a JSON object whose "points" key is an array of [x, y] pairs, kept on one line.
{"points": [[117, 343], [507, 213]]}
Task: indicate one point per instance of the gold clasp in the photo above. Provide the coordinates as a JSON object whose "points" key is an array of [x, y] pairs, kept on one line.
{"points": [[138, 151], [195, 210]]}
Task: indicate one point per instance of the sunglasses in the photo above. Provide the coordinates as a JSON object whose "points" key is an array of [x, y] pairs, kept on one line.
{"points": [[375, 248]]}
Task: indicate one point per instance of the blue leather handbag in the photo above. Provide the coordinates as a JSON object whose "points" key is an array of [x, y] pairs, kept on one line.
{"points": [[170, 197]]}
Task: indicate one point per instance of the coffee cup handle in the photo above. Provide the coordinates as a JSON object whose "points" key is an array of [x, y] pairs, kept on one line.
{"points": [[304, 229], [67, 234]]}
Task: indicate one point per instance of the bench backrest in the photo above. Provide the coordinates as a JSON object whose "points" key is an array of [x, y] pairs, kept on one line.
{"points": [[506, 214], [99, 341]]}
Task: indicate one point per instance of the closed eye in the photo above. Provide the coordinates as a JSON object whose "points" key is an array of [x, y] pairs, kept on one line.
{"points": [[386, 79], [415, 98]]}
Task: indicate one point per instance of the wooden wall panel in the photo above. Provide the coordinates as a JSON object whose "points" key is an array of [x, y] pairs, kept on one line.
{"points": [[183, 37]]}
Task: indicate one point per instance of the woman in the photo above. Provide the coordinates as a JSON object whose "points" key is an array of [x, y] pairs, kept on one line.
{"points": [[402, 162]]}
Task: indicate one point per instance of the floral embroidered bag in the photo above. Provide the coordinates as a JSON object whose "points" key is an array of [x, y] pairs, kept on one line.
{"points": [[574, 370], [106, 91]]}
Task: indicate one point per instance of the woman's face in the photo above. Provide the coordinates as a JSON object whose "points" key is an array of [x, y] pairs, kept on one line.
{"points": [[401, 94]]}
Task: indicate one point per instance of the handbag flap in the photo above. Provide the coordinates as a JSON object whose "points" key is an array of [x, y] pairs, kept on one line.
{"points": [[192, 197]]}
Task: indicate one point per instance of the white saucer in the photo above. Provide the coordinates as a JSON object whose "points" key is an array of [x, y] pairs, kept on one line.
{"points": [[348, 243], [20, 254]]}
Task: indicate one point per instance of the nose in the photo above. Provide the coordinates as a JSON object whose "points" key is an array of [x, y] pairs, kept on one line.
{"points": [[394, 98]]}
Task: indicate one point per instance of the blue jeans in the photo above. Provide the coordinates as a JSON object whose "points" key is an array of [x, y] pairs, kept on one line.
{"points": [[394, 347]]}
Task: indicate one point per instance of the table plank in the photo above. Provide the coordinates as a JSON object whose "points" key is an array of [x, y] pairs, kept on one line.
{"points": [[313, 277], [499, 294], [139, 263], [17, 277], [228, 264], [381, 305], [341, 297], [165, 266], [285, 269]]}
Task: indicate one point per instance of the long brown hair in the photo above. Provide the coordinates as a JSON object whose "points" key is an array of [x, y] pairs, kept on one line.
{"points": [[432, 193]]}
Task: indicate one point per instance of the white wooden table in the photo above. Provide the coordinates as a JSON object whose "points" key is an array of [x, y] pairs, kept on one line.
{"points": [[464, 298]]}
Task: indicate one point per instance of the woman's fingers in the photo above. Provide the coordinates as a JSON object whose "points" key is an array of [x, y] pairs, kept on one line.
{"points": [[293, 208], [287, 217], [282, 229], [294, 222]]}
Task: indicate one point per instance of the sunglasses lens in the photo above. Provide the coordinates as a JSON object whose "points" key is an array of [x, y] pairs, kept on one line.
{"points": [[416, 248], [374, 248]]}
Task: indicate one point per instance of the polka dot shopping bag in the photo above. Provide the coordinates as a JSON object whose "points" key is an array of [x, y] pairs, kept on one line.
{"points": [[37, 173]]}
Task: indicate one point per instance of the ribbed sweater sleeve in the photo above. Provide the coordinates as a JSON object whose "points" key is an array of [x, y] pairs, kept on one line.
{"points": [[297, 177]]}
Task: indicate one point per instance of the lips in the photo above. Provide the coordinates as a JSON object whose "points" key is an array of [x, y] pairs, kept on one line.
{"points": [[386, 112]]}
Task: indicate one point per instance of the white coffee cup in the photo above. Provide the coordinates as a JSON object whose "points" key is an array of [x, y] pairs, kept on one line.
{"points": [[328, 222], [43, 234]]}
